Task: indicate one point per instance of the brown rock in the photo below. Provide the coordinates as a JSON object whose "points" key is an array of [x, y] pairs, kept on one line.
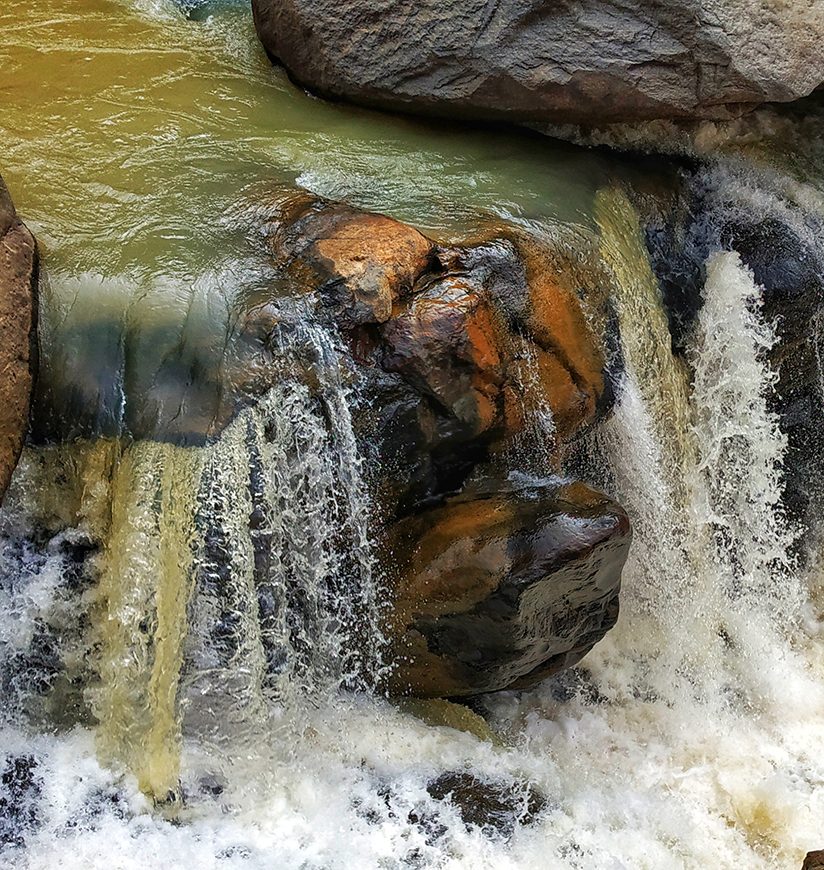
{"points": [[503, 585], [814, 860], [18, 285], [446, 343], [360, 262], [556, 321]]}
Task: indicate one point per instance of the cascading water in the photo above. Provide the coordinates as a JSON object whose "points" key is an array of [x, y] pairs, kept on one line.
{"points": [[198, 624], [230, 578]]}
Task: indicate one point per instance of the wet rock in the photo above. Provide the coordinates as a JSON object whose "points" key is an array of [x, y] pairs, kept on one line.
{"points": [[360, 263], [790, 273], [814, 861], [788, 269], [530, 286], [446, 344], [596, 62], [502, 586], [441, 713], [495, 806], [19, 789], [18, 314]]}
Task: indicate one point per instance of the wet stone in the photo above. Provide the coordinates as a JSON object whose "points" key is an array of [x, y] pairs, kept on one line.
{"points": [[814, 860], [495, 806], [20, 787]]}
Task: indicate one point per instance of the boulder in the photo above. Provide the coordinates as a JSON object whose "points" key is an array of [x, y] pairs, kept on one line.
{"points": [[597, 61], [361, 263], [502, 585], [18, 313], [452, 344]]}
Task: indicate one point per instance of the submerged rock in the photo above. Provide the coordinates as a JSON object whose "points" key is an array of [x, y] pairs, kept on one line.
{"points": [[596, 62], [18, 316], [361, 263], [20, 786], [495, 806], [502, 586]]}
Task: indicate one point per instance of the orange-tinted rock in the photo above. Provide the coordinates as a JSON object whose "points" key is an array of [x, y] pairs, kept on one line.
{"points": [[18, 279], [557, 322], [555, 356], [360, 262], [502, 586], [446, 342]]}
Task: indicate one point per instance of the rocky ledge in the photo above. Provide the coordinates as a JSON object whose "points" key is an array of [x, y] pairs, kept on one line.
{"points": [[594, 62], [18, 306]]}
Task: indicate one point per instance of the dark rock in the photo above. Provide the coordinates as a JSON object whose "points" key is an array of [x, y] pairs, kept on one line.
{"points": [[791, 274], [814, 860], [789, 270], [18, 325], [502, 586], [495, 806], [19, 789], [594, 62]]}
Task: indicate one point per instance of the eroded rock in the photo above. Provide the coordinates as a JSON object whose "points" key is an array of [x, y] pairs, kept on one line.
{"points": [[18, 313], [599, 61]]}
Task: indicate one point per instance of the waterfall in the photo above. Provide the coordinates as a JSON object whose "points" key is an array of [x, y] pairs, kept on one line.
{"points": [[230, 581], [697, 458]]}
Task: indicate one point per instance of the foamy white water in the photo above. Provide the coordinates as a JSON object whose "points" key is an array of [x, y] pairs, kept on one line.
{"points": [[688, 738]]}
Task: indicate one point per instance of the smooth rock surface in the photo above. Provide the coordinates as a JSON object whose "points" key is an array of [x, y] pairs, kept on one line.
{"points": [[360, 262], [18, 280], [595, 61], [502, 586]]}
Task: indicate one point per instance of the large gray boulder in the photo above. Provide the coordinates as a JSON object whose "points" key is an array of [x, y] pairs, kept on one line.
{"points": [[18, 279], [589, 61]]}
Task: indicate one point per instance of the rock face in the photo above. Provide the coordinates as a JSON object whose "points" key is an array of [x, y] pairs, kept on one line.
{"points": [[493, 584], [503, 585], [18, 279], [597, 61], [788, 269]]}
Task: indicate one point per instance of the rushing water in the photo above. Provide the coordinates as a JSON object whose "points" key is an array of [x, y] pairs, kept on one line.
{"points": [[139, 146]]}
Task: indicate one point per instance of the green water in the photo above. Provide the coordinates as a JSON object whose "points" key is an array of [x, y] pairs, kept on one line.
{"points": [[136, 141], [140, 147]]}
